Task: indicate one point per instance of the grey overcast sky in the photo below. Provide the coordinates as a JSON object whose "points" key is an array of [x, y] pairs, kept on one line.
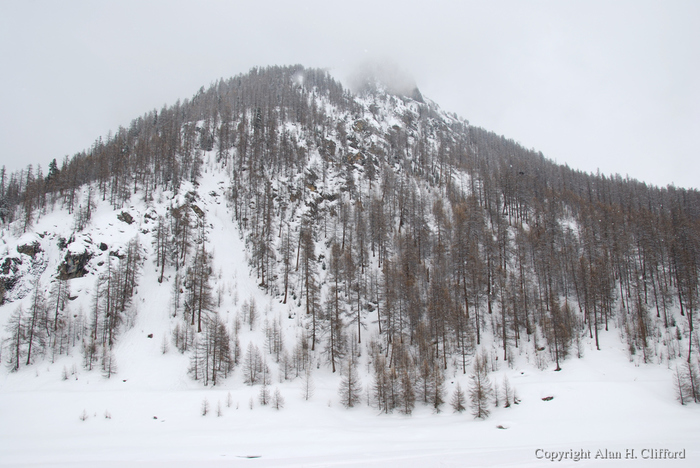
{"points": [[595, 84]]}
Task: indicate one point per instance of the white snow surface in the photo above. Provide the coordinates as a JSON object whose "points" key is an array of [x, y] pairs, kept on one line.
{"points": [[150, 413]]}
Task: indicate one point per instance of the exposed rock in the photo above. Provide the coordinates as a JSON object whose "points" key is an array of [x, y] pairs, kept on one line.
{"points": [[10, 265], [359, 125], [29, 249], [74, 265], [191, 196], [125, 217], [10, 272], [198, 211]]}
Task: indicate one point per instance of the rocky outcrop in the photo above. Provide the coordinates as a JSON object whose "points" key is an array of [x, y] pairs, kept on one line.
{"points": [[10, 272], [30, 249], [19, 271], [125, 217], [74, 265]]}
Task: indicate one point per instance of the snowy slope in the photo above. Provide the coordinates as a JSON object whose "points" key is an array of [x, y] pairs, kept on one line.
{"points": [[150, 412], [603, 405]]}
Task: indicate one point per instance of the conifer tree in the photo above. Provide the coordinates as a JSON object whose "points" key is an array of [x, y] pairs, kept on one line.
{"points": [[508, 392], [15, 341], [277, 399], [57, 303], [252, 365], [334, 328], [350, 390], [161, 245], [264, 396], [199, 298], [308, 387], [35, 326], [480, 390], [109, 365], [382, 387], [407, 394], [458, 400], [437, 388], [311, 288], [681, 385]]}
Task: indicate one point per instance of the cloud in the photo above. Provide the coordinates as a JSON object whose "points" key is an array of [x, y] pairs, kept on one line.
{"points": [[593, 84], [381, 74]]}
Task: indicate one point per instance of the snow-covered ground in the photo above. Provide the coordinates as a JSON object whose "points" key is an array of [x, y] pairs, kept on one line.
{"points": [[600, 403], [150, 413]]}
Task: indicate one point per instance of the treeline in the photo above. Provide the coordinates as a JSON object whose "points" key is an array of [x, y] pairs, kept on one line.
{"points": [[381, 209]]}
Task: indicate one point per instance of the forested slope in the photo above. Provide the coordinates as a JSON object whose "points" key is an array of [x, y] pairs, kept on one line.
{"points": [[391, 225]]}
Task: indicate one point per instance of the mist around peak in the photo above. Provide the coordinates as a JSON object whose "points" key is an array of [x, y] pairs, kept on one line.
{"points": [[375, 75]]}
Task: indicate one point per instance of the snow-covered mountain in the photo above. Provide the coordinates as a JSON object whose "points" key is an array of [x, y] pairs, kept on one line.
{"points": [[279, 268]]}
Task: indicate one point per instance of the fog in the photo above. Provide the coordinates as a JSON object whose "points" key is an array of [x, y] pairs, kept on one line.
{"points": [[370, 73], [592, 84]]}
